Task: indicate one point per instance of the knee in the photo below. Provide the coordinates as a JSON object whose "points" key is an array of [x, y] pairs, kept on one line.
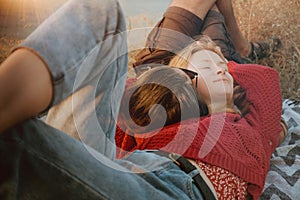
{"points": [[197, 7]]}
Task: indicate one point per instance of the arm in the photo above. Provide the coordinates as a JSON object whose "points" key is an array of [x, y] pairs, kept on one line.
{"points": [[264, 95], [25, 87]]}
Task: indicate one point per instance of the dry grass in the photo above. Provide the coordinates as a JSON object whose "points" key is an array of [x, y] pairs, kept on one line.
{"points": [[258, 20], [6, 44]]}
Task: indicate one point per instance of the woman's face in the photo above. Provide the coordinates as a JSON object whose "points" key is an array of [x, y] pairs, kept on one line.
{"points": [[215, 84]]}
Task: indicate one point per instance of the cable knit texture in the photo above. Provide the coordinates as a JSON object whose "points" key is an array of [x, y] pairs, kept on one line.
{"points": [[241, 145]]}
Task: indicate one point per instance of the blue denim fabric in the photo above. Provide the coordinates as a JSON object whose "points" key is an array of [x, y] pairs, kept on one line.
{"points": [[84, 46], [85, 50], [40, 162]]}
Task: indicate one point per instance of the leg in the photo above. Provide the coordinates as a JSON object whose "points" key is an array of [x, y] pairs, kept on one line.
{"points": [[181, 22], [84, 49], [215, 27], [40, 162], [186, 18], [197, 7], [241, 44], [23, 94], [251, 51]]}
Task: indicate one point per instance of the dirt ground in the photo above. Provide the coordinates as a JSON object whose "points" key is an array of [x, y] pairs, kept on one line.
{"points": [[257, 19]]}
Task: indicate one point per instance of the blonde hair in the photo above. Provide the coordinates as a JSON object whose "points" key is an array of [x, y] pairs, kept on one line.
{"points": [[181, 60]]}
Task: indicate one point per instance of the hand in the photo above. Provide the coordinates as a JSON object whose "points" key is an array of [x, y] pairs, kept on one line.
{"points": [[284, 131]]}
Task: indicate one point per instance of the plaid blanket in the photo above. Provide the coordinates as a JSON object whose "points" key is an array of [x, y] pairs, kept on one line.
{"points": [[283, 178]]}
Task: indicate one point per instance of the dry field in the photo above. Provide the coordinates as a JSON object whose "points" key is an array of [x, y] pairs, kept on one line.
{"points": [[258, 20]]}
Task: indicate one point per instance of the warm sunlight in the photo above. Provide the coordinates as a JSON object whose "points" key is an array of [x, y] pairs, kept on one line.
{"points": [[19, 17], [159, 99]]}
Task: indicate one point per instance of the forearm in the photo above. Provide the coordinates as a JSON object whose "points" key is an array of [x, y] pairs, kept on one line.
{"points": [[264, 95], [25, 87]]}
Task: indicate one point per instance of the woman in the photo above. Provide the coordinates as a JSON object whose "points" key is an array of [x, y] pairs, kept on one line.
{"points": [[233, 150], [174, 92], [41, 162], [50, 69]]}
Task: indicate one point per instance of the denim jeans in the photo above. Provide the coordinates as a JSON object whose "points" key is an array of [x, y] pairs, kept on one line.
{"points": [[41, 162], [84, 47]]}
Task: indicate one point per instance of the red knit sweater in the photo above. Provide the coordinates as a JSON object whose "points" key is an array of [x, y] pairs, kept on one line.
{"points": [[241, 145]]}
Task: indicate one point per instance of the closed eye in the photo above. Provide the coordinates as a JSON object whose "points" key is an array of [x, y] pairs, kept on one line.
{"points": [[204, 67]]}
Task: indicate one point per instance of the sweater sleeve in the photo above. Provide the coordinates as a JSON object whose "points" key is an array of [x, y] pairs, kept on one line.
{"points": [[264, 95]]}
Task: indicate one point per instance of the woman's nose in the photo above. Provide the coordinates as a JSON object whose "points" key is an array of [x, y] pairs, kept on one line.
{"points": [[221, 70]]}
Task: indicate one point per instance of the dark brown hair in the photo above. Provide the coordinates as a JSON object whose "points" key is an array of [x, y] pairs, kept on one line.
{"points": [[161, 96]]}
